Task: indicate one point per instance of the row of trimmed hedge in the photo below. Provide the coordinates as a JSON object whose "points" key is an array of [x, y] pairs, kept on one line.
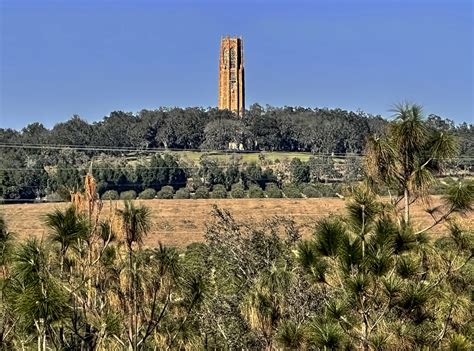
{"points": [[237, 191]]}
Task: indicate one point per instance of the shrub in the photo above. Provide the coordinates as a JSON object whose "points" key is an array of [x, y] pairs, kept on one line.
{"points": [[110, 195], [218, 192], [292, 191], [320, 190], [201, 193], [312, 191], [237, 191], [165, 193], [255, 192], [54, 197], [182, 193], [65, 193], [147, 194], [273, 191], [299, 171], [128, 195]]}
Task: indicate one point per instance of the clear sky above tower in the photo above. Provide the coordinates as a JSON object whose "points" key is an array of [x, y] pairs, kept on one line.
{"points": [[60, 58]]}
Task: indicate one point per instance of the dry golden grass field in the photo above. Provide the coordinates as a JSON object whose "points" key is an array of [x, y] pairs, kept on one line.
{"points": [[181, 222]]}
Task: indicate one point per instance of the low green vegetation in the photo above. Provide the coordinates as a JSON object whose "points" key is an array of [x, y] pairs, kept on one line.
{"points": [[128, 195], [183, 193], [371, 278], [218, 192], [237, 191], [255, 192], [147, 194], [110, 195], [366, 279], [273, 191], [166, 192]]}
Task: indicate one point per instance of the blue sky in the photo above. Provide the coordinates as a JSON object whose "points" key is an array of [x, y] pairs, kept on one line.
{"points": [[60, 58]]}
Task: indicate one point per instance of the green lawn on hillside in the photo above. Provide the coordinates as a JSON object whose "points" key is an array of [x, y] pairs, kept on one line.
{"points": [[246, 157]]}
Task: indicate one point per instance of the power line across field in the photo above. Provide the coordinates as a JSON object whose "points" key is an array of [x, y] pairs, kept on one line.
{"points": [[135, 149]]}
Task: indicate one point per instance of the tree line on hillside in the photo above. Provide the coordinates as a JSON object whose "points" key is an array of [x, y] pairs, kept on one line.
{"points": [[372, 278], [167, 176], [318, 130]]}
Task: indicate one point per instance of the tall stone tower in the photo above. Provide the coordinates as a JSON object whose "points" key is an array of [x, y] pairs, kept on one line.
{"points": [[231, 75]]}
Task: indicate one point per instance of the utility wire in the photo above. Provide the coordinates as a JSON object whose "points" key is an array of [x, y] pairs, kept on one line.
{"points": [[131, 167], [135, 149], [146, 150]]}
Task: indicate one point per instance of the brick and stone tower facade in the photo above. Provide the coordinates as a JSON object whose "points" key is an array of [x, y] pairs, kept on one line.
{"points": [[231, 75]]}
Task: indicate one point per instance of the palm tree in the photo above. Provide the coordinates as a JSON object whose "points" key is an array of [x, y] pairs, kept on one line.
{"points": [[135, 226], [39, 300], [409, 155], [264, 304], [135, 223], [66, 229], [6, 246], [290, 335]]}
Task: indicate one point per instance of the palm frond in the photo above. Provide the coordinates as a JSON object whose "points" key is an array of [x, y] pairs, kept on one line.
{"points": [[442, 145], [384, 232], [362, 210], [290, 335], [358, 284], [459, 196], [458, 342], [135, 222], [380, 342], [393, 286], [404, 240], [106, 231], [306, 254], [407, 267], [420, 181], [380, 160], [28, 262], [414, 297], [325, 334], [463, 239], [350, 254], [312, 264], [165, 262], [408, 130], [337, 308], [66, 226], [380, 260], [329, 233]]}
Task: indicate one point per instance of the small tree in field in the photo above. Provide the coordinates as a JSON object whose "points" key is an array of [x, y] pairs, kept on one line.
{"points": [[135, 226], [409, 155]]}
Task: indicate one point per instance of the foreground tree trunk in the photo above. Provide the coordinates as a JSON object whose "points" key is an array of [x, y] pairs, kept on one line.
{"points": [[406, 195]]}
